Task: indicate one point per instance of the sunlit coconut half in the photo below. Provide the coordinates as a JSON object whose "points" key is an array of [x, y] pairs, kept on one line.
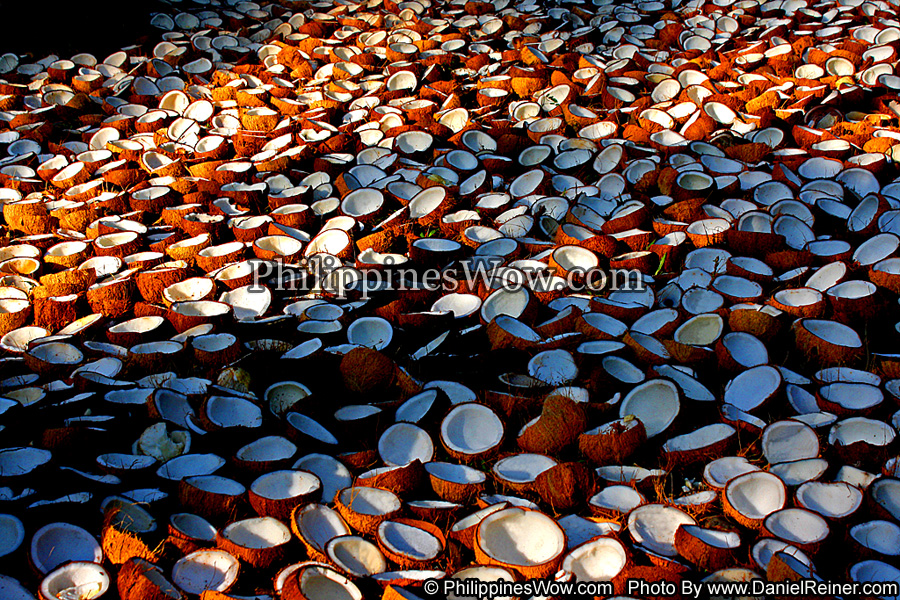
{"points": [[656, 403], [751, 497], [803, 528], [372, 332], [519, 471], [355, 556], [75, 580], [470, 431], [710, 440], [836, 500], [710, 549], [316, 581], [653, 527], [526, 541], [615, 501], [789, 440], [204, 570], [365, 508], [277, 493], [315, 525], [260, 542], [601, 559]]}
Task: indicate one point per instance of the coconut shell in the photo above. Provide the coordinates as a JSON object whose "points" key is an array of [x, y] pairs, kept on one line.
{"points": [[258, 558], [705, 555], [138, 579], [366, 371], [562, 420], [120, 544], [566, 487], [615, 446], [208, 504], [407, 562], [68, 282], [401, 480], [112, 300], [150, 284]]}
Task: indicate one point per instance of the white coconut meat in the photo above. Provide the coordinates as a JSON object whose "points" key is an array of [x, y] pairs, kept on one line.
{"points": [[160, 443], [75, 581], [745, 349], [322, 583], [471, 429], [655, 402], [205, 570], [699, 439], [190, 465], [257, 533], [861, 429], [879, 536], [281, 485], [701, 330], [599, 560], [519, 537], [482, 573], [875, 570], [797, 526], [20, 461], [58, 543], [763, 551], [753, 387], [194, 527], [370, 501], [690, 386], [267, 449], [832, 332], [356, 555], [789, 440], [417, 407], [580, 529], [831, 500], [17, 340], [553, 367], [653, 526], [798, 472], [11, 589], [605, 324], [12, 534], [455, 473], [248, 302], [371, 332], [461, 305], [756, 495], [575, 257], [311, 428], [522, 468], [282, 396], [617, 498], [852, 396], [714, 537], [332, 474], [319, 524], [57, 354], [403, 443], [231, 411], [409, 541], [121, 462]]}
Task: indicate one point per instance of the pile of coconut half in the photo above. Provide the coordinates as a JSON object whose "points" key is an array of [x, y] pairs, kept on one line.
{"points": [[244, 356]]}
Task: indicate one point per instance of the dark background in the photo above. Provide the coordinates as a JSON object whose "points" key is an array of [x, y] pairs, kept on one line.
{"points": [[99, 27]]}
